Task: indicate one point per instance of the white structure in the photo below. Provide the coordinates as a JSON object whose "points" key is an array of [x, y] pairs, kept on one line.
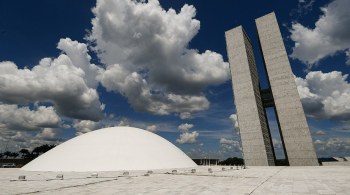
{"points": [[112, 149]]}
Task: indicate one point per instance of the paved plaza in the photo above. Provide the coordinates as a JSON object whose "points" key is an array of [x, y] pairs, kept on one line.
{"points": [[254, 180]]}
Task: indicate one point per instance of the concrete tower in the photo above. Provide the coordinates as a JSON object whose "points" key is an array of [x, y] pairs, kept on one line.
{"points": [[251, 101]]}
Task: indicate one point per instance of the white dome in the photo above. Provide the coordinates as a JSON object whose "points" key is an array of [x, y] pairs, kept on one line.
{"points": [[112, 149]]}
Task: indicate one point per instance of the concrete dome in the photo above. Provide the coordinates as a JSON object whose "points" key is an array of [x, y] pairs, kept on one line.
{"points": [[112, 149]]}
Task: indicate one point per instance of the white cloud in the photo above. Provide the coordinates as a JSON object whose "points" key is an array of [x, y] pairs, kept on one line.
{"points": [[26, 127], [185, 115], [318, 142], [343, 128], [13, 117], [227, 141], [124, 122], [325, 95], [197, 153], [85, 126], [347, 57], [233, 118], [277, 143], [66, 126], [188, 138], [152, 128], [333, 147], [142, 98], [330, 35], [222, 153], [229, 145], [185, 127], [16, 140], [320, 132], [78, 54], [145, 49], [48, 134], [67, 81]]}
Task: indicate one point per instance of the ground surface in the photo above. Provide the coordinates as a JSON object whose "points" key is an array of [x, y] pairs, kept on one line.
{"points": [[254, 180]]}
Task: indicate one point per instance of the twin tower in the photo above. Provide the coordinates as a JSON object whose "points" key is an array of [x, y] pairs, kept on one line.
{"points": [[282, 94]]}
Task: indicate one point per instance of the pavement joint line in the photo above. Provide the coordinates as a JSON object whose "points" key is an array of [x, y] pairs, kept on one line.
{"points": [[66, 187], [206, 175], [186, 172], [12, 180], [82, 178], [266, 180]]}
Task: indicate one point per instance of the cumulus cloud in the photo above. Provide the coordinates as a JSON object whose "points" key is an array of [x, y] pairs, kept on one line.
{"points": [[188, 138], [344, 128], [48, 134], [152, 128], [68, 82], [185, 127], [332, 147], [320, 132], [85, 126], [330, 35], [277, 144], [16, 140], [229, 145], [347, 57], [234, 120], [78, 54], [145, 49], [124, 122], [26, 127], [23, 118], [227, 141], [185, 115], [325, 95]]}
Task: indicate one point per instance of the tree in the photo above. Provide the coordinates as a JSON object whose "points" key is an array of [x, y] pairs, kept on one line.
{"points": [[14, 154], [24, 153], [7, 154], [1, 155], [232, 161], [42, 149]]}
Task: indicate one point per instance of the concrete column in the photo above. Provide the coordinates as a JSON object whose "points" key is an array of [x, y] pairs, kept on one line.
{"points": [[294, 129], [256, 144]]}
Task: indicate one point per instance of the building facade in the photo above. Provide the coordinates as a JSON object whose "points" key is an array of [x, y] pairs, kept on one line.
{"points": [[282, 95]]}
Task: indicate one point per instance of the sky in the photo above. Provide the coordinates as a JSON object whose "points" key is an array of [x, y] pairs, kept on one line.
{"points": [[70, 67]]}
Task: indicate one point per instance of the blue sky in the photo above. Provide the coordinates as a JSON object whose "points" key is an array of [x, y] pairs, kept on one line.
{"points": [[67, 70]]}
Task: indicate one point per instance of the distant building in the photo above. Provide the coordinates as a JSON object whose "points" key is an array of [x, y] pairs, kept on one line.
{"points": [[205, 161]]}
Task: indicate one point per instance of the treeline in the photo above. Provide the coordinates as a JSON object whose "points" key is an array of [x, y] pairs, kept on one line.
{"points": [[232, 161], [26, 154]]}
